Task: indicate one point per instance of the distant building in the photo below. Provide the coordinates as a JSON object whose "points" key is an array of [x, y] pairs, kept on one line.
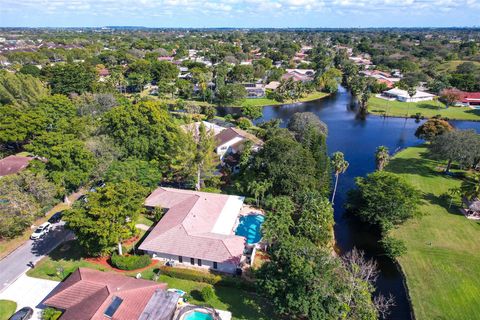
{"points": [[303, 75], [272, 85], [403, 96], [465, 99], [165, 58], [381, 77], [255, 90]]}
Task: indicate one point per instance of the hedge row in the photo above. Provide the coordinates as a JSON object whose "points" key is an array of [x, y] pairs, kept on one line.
{"points": [[210, 278], [130, 262]]}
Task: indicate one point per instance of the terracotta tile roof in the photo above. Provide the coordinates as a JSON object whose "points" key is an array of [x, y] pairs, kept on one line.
{"points": [[87, 293], [13, 164], [189, 228]]}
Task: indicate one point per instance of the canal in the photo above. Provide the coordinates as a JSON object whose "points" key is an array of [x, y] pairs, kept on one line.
{"points": [[358, 137]]}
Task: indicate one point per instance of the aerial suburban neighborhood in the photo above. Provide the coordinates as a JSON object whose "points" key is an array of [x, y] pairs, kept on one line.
{"points": [[309, 160]]}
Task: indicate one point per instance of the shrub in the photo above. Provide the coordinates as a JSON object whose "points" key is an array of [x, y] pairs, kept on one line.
{"points": [[210, 278], [51, 314], [244, 123], [130, 262], [393, 247], [207, 293]]}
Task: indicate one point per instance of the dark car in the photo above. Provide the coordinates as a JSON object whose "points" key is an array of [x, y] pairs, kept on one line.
{"points": [[56, 217], [22, 314]]}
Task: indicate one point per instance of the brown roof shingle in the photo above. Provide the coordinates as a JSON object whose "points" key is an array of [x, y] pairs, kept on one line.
{"points": [[87, 293], [13, 164]]}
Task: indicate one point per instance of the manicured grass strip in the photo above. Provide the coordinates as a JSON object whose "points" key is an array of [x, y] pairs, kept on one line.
{"points": [[426, 109], [442, 264], [7, 308], [242, 304], [270, 102]]}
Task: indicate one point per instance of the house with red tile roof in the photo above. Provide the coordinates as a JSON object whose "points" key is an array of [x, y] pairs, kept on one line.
{"points": [[13, 164], [466, 99], [91, 294], [198, 229]]}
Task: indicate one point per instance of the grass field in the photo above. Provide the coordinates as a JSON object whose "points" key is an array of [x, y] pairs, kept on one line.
{"points": [[451, 66], [242, 304], [427, 109], [442, 264], [7, 308]]}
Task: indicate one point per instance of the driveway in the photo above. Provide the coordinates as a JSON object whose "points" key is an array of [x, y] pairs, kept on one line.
{"points": [[17, 263], [29, 292]]}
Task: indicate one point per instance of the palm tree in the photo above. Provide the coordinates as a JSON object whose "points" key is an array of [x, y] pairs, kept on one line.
{"points": [[453, 192], [471, 187], [340, 165], [382, 157], [411, 92]]}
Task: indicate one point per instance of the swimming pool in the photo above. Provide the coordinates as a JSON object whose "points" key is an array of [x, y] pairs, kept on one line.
{"points": [[249, 227], [197, 315]]}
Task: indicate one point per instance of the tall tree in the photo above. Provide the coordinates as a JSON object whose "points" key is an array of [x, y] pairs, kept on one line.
{"points": [[462, 146], [108, 217], [382, 157], [433, 128], [206, 159], [339, 165]]}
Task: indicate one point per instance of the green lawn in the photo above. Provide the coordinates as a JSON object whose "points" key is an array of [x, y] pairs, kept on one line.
{"points": [[7, 308], [451, 66], [427, 109], [142, 219], [242, 304], [270, 102], [442, 264]]}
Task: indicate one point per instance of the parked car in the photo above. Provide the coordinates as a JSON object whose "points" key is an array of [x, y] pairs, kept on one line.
{"points": [[56, 217], [41, 231], [98, 184], [82, 198], [22, 314]]}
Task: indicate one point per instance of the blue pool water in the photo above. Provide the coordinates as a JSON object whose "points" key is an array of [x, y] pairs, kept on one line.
{"points": [[197, 315], [249, 227]]}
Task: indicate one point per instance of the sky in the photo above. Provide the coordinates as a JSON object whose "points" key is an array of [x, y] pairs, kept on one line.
{"points": [[240, 13]]}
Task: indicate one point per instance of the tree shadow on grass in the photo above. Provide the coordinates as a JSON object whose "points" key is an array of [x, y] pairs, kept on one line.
{"points": [[243, 304], [474, 111], [442, 201], [411, 166], [429, 106]]}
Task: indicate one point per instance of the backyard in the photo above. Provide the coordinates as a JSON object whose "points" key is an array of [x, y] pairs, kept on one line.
{"points": [[442, 264], [426, 109], [270, 102], [69, 257]]}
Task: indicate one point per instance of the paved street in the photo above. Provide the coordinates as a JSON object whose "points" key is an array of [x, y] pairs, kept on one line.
{"points": [[15, 264]]}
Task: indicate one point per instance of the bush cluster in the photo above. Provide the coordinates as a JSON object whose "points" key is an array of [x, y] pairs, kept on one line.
{"points": [[210, 278], [130, 262], [207, 293]]}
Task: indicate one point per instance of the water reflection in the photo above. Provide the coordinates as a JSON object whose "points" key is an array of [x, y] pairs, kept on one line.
{"points": [[358, 137]]}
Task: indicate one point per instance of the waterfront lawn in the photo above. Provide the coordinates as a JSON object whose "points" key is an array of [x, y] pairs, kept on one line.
{"points": [[442, 264], [7, 308], [427, 109], [270, 102], [242, 304]]}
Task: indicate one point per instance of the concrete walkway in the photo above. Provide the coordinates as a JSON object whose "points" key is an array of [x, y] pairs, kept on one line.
{"points": [[142, 226], [29, 292]]}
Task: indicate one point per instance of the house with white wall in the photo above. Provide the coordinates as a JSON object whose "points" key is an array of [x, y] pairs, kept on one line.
{"points": [[232, 140], [197, 230], [403, 96]]}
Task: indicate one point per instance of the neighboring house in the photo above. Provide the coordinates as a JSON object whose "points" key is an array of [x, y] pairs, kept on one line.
{"points": [[255, 90], [403, 96], [362, 61], [194, 128], [91, 294], [165, 58], [13, 164], [232, 140], [303, 75], [196, 230], [272, 85], [464, 99], [381, 77]]}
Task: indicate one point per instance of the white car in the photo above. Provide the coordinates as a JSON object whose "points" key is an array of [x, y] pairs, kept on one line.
{"points": [[42, 230]]}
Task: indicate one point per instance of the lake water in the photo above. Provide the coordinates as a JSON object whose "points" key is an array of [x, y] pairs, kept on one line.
{"points": [[358, 139]]}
